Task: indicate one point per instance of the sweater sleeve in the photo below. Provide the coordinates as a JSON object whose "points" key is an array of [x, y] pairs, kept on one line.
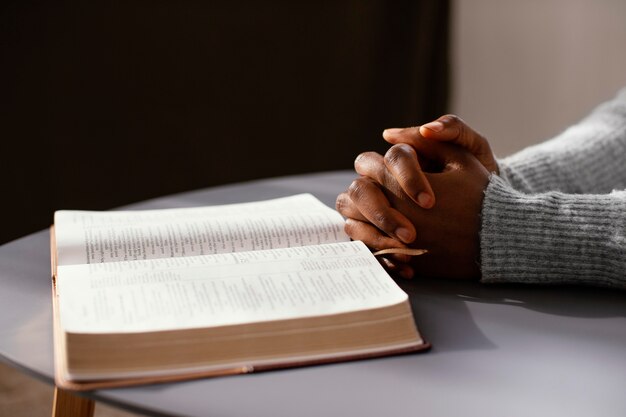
{"points": [[553, 238], [589, 157], [555, 214]]}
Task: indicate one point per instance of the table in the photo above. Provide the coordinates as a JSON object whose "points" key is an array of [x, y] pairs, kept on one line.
{"points": [[497, 350]]}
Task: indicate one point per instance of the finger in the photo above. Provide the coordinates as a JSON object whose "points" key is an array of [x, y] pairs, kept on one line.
{"points": [[438, 156], [451, 128], [424, 147], [372, 237], [408, 135], [407, 168], [402, 269], [402, 162], [347, 208], [372, 203], [371, 164]]}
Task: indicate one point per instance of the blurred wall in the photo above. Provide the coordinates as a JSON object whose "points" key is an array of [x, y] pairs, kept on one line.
{"points": [[522, 71]]}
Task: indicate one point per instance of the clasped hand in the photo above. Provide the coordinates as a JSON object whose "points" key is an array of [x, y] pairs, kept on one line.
{"points": [[426, 192]]}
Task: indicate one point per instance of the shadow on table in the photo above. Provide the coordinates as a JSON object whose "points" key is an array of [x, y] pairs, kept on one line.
{"points": [[563, 300], [445, 301]]}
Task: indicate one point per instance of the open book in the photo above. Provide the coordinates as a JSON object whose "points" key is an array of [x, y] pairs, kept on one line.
{"points": [[161, 295]]}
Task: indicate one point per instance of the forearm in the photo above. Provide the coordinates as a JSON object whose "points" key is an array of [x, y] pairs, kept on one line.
{"points": [[589, 157], [553, 238]]}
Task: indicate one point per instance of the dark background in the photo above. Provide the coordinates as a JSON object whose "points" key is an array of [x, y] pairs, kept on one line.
{"points": [[108, 103]]}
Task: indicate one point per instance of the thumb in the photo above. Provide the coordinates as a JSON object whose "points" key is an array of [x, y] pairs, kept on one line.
{"points": [[453, 129]]}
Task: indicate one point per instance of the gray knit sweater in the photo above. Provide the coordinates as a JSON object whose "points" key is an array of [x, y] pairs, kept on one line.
{"points": [[556, 214]]}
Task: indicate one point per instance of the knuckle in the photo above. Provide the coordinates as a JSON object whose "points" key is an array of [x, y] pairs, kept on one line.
{"points": [[340, 202], [348, 227], [453, 119], [380, 242], [394, 155], [463, 132], [363, 158], [358, 188], [351, 227], [403, 165], [359, 159], [383, 221]]}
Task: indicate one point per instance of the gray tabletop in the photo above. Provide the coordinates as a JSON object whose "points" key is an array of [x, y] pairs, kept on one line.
{"points": [[497, 350]]}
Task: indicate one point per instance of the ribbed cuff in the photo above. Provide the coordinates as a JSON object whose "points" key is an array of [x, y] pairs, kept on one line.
{"points": [[530, 173], [553, 238]]}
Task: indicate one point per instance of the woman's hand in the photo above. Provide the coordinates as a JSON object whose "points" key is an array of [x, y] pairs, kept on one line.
{"points": [[378, 209], [448, 128]]}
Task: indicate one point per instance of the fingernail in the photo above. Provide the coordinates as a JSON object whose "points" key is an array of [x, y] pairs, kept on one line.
{"points": [[425, 200], [434, 126], [392, 131], [404, 234]]}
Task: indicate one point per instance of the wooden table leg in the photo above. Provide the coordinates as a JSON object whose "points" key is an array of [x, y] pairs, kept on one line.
{"points": [[66, 404]]}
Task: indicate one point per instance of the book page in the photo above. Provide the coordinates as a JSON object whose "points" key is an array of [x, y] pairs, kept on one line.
{"points": [[226, 289], [86, 237]]}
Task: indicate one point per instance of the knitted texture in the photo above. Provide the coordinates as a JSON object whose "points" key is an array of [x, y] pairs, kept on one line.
{"points": [[552, 216], [553, 238]]}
